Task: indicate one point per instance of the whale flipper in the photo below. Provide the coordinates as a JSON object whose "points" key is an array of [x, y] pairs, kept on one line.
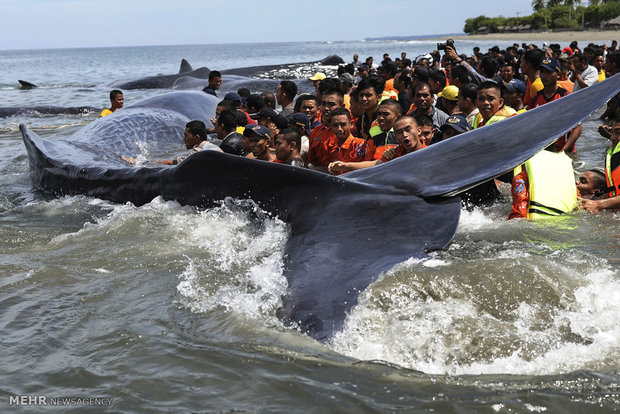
{"points": [[461, 162]]}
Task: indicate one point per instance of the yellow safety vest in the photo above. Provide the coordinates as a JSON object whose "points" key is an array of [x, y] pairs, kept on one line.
{"points": [[552, 187], [505, 112], [612, 175]]}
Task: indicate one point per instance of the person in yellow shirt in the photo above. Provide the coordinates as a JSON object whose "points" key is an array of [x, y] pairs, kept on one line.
{"points": [[116, 102], [598, 62]]}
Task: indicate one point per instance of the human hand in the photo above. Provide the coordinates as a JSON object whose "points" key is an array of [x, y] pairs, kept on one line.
{"points": [[389, 154], [451, 53], [593, 206], [605, 131], [337, 166], [128, 160]]}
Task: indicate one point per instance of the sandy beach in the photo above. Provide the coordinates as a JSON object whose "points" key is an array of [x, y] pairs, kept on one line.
{"points": [[586, 36]]}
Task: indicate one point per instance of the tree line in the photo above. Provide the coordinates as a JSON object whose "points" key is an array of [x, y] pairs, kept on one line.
{"points": [[550, 14]]}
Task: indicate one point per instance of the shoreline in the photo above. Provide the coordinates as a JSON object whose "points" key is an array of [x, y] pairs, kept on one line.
{"points": [[605, 36]]}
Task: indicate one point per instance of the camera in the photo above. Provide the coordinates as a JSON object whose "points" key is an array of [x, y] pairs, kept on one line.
{"points": [[442, 46]]}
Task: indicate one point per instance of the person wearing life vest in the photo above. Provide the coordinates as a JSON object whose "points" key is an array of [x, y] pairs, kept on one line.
{"points": [[490, 105], [543, 187], [612, 171], [370, 89], [491, 109], [383, 138]]}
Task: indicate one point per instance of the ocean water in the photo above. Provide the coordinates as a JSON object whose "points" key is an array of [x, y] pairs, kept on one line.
{"points": [[169, 308]]}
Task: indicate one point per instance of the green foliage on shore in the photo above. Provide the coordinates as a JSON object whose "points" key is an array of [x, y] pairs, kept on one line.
{"points": [[550, 14]]}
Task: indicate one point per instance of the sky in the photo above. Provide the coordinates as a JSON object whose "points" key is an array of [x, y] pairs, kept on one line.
{"points": [[45, 24]]}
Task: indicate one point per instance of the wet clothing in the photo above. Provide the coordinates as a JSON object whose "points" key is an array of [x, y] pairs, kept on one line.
{"points": [[543, 187], [106, 112], [204, 145], [612, 170]]}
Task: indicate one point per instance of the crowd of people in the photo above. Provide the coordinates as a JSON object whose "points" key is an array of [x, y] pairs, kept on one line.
{"points": [[371, 113]]}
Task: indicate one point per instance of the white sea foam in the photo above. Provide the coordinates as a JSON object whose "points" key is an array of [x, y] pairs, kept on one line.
{"points": [[249, 257], [437, 324]]}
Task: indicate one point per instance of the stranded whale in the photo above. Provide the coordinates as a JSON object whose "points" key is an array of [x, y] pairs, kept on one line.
{"points": [[345, 231], [198, 77], [42, 110]]}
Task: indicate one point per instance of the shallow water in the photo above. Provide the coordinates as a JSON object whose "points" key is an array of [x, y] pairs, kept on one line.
{"points": [[168, 308]]}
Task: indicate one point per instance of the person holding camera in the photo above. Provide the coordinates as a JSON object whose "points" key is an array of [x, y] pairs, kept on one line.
{"points": [[487, 64]]}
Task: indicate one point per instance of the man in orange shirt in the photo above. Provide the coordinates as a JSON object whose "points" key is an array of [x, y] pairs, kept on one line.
{"points": [[407, 133], [330, 100], [341, 146]]}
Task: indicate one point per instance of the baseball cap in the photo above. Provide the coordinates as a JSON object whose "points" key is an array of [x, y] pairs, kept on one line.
{"points": [[300, 120], [457, 122], [550, 64], [233, 96], [261, 131], [421, 73], [516, 85], [450, 93], [363, 66], [347, 78], [265, 113], [568, 51], [318, 76]]}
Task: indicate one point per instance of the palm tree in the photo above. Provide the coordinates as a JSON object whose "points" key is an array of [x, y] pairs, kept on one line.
{"points": [[538, 5]]}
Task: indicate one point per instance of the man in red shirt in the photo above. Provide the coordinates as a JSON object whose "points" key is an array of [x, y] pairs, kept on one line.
{"points": [[342, 146]]}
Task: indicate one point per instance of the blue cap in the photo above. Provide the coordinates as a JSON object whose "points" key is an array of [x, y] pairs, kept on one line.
{"points": [[261, 131], [232, 96], [300, 119], [458, 122], [515, 85], [550, 64]]}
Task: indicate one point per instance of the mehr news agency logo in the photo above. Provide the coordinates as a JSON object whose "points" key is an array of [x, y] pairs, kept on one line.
{"points": [[43, 400]]}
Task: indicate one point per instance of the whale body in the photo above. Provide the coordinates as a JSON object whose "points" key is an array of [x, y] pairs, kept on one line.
{"points": [[283, 71], [345, 231]]}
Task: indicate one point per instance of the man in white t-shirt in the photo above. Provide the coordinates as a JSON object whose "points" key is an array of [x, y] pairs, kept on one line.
{"points": [[583, 75]]}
